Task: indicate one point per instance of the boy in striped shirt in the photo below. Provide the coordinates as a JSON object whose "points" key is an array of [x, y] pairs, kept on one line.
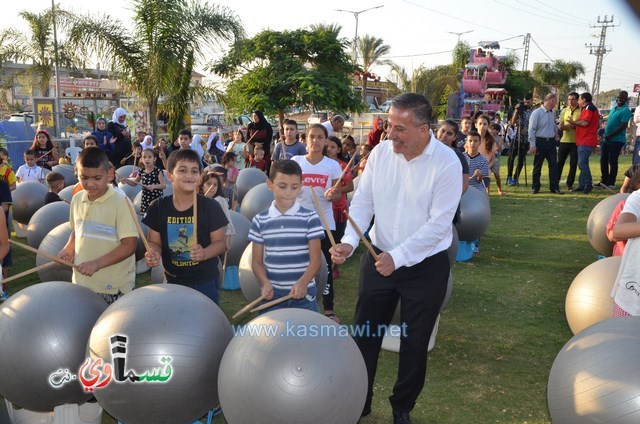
{"points": [[286, 242]]}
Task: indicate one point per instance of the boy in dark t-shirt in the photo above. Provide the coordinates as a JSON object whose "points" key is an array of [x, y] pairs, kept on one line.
{"points": [[189, 259]]}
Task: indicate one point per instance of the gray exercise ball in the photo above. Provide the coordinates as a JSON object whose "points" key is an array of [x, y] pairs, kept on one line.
{"points": [[170, 328], [475, 215], [124, 172], [596, 376], [46, 219], [306, 377], [247, 179], [27, 198], [53, 244], [589, 297], [356, 180], [452, 251], [68, 172], [45, 329], [129, 190], [251, 287], [66, 193], [597, 223], [258, 199], [240, 239]]}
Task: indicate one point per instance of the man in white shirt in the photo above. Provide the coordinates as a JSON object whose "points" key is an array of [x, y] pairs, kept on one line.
{"points": [[412, 184], [334, 125]]}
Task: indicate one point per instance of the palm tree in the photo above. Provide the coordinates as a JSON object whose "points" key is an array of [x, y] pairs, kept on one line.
{"points": [[562, 75], [37, 47], [332, 28], [461, 54], [167, 38], [371, 51]]}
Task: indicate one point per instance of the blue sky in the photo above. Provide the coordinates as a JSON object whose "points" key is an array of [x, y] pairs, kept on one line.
{"points": [[418, 30]]}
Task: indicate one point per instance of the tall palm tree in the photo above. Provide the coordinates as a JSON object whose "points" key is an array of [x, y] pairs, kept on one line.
{"points": [[461, 54], [156, 56], [333, 28], [37, 47], [563, 76], [371, 51]]}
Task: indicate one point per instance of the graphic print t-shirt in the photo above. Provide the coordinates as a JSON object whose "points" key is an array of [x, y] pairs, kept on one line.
{"points": [[176, 231]]}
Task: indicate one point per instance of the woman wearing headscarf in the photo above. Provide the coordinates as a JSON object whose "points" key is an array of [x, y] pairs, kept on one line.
{"points": [[377, 132], [106, 140], [118, 128], [260, 133]]}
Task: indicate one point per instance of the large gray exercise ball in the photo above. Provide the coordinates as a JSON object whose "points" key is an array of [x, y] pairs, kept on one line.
{"points": [[123, 172], [251, 287], [247, 179], [53, 244], [597, 223], [258, 199], [46, 219], [171, 329], [129, 190], [66, 193], [589, 297], [27, 198], [475, 215], [68, 172], [596, 376], [314, 375], [45, 329], [239, 240], [452, 251], [356, 181]]}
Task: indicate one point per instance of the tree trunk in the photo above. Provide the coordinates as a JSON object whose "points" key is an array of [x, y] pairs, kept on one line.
{"points": [[364, 90]]}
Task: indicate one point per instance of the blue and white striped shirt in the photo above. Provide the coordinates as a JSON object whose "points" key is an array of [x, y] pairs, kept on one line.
{"points": [[285, 237]]}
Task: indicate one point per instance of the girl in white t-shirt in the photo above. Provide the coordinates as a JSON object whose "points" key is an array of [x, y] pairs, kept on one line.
{"points": [[626, 290], [320, 174]]}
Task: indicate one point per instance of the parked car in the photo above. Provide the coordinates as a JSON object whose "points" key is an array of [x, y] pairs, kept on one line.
{"points": [[385, 106]]}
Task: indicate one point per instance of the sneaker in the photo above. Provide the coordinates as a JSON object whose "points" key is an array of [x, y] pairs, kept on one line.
{"points": [[217, 410], [613, 187], [476, 249], [510, 181], [515, 182], [4, 297]]}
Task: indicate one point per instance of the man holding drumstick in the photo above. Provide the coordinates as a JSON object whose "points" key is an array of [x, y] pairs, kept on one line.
{"points": [[412, 184]]}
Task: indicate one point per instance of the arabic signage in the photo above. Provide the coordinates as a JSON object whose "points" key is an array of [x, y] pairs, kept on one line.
{"points": [[97, 374]]}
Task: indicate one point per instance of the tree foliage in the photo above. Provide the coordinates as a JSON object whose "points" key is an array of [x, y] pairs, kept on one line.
{"points": [[274, 71], [37, 46], [518, 84], [461, 55], [157, 56], [371, 49], [562, 76]]}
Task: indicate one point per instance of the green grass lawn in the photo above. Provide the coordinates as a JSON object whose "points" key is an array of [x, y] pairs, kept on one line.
{"points": [[505, 321]]}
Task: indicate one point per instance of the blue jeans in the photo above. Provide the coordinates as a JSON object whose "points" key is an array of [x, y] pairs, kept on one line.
{"points": [[585, 179], [208, 288], [309, 302], [636, 151]]}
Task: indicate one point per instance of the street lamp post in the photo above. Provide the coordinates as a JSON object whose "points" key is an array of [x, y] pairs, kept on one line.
{"points": [[460, 33], [355, 38]]}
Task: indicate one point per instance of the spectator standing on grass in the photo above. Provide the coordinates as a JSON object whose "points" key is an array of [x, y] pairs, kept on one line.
{"points": [[586, 139], [542, 141], [334, 125], [259, 134], [411, 234], [615, 138], [568, 146]]}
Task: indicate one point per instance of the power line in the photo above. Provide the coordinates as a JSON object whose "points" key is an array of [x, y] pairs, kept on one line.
{"points": [[456, 18], [539, 16], [419, 54], [540, 48], [572, 13]]}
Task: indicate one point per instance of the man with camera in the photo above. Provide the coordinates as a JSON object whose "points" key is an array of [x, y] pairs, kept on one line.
{"points": [[520, 144]]}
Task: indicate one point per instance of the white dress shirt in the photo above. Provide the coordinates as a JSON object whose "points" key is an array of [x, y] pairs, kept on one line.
{"points": [[414, 202]]}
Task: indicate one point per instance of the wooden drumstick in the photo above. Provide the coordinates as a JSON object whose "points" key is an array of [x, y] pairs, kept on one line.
{"points": [[140, 232], [29, 271], [362, 237], [248, 307], [322, 218], [40, 252], [272, 303], [195, 216], [344, 172]]}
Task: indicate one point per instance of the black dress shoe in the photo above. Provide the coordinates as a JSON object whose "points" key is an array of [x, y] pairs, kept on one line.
{"points": [[535, 191], [556, 191], [401, 418], [587, 189]]}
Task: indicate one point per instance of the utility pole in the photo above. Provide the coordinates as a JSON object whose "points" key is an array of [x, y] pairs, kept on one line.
{"points": [[527, 42], [459, 34], [355, 38], [599, 51], [56, 115]]}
